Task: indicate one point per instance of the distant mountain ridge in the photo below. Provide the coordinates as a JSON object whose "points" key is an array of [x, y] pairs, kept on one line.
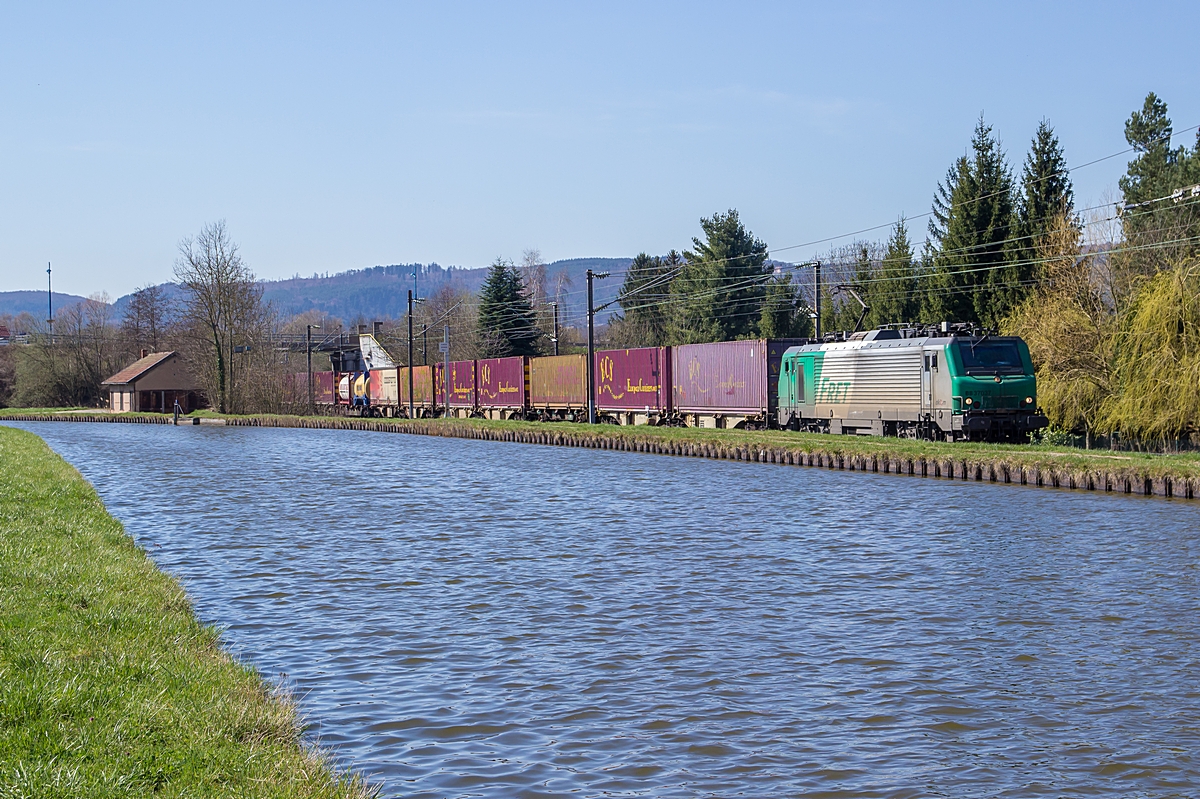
{"points": [[379, 292]]}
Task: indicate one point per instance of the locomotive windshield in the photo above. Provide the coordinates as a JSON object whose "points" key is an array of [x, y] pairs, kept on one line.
{"points": [[990, 357]]}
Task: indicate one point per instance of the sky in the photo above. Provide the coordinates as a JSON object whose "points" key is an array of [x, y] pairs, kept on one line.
{"points": [[344, 135]]}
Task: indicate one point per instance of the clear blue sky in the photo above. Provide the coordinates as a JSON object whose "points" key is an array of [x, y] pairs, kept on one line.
{"points": [[338, 136]]}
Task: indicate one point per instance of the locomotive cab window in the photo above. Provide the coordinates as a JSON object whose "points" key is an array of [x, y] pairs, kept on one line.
{"points": [[990, 357]]}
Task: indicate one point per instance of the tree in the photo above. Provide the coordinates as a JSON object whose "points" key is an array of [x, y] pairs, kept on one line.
{"points": [[719, 292], [146, 318], [1046, 198], [222, 307], [507, 324], [972, 278], [892, 292], [1069, 328], [784, 314], [644, 299], [1161, 224]]}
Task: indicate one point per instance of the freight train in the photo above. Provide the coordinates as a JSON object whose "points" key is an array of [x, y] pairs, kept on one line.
{"points": [[940, 384]]}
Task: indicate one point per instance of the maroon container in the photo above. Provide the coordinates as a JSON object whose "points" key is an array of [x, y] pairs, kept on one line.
{"points": [[633, 380], [501, 382], [324, 387], [558, 381], [462, 384], [728, 376]]}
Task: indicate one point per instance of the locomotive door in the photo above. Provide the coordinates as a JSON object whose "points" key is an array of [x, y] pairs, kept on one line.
{"points": [[927, 357]]}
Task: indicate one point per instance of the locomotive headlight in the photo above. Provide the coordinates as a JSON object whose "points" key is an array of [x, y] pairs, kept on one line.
{"points": [[1029, 400], [968, 401]]}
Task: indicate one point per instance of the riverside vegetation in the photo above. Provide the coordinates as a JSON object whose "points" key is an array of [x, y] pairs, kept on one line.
{"points": [[109, 686]]}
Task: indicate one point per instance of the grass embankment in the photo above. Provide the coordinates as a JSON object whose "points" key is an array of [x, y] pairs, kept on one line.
{"points": [[109, 686], [1040, 465]]}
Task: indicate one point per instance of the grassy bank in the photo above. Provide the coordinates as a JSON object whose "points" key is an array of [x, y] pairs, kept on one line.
{"points": [[1130, 472], [109, 687]]}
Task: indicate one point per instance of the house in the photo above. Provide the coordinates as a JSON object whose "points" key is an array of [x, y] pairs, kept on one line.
{"points": [[154, 382]]}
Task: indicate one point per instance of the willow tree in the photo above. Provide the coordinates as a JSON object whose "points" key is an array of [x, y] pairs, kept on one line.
{"points": [[1157, 364], [1070, 330]]}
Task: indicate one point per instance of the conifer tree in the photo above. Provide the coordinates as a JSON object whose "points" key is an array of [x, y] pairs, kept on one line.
{"points": [[644, 300], [1046, 196], [892, 294], [719, 292], [1166, 228], [973, 279], [507, 323], [783, 313]]}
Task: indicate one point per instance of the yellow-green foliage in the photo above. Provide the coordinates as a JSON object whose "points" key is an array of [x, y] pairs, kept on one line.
{"points": [[1157, 392], [1069, 330], [109, 687]]}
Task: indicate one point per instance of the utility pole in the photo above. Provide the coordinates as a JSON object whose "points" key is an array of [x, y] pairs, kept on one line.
{"points": [[817, 294], [49, 302], [424, 345], [445, 348], [555, 304], [312, 405], [411, 406], [591, 355]]}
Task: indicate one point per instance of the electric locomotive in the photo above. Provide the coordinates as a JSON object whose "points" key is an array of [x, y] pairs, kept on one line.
{"points": [[942, 384]]}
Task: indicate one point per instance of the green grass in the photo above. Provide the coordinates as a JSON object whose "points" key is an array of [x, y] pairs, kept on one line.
{"points": [[109, 686]]}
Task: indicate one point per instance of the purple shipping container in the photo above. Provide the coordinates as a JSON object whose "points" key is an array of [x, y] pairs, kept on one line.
{"points": [[633, 380], [462, 384], [501, 383], [558, 381], [728, 376]]}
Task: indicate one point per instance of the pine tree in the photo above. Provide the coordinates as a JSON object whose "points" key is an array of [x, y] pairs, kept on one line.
{"points": [[974, 217], [718, 294], [1046, 197], [644, 300], [892, 294], [507, 323], [783, 314], [1166, 229]]}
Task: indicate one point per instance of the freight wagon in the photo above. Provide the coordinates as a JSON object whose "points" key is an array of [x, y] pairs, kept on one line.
{"points": [[937, 385], [558, 387], [633, 386], [502, 387], [728, 384]]}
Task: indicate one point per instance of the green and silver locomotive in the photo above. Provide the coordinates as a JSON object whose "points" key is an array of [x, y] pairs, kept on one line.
{"points": [[918, 384]]}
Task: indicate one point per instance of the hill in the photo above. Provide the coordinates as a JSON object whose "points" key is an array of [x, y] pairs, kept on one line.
{"points": [[14, 303]]}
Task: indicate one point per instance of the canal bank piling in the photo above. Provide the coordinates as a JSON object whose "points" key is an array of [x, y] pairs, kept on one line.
{"points": [[998, 469]]}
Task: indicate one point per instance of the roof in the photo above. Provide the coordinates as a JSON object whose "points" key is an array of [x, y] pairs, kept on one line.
{"points": [[138, 368]]}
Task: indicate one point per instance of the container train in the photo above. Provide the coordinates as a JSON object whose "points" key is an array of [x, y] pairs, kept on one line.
{"points": [[932, 384]]}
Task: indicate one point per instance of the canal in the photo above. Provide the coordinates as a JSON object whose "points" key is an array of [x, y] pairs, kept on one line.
{"points": [[466, 618]]}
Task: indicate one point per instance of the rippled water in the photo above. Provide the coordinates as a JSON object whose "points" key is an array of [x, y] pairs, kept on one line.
{"points": [[465, 618]]}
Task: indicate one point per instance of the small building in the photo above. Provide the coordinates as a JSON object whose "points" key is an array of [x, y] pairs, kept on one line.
{"points": [[154, 382]]}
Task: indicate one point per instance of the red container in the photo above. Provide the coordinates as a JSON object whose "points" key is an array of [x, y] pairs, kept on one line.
{"points": [[324, 387], [558, 381], [728, 376], [501, 382], [633, 380]]}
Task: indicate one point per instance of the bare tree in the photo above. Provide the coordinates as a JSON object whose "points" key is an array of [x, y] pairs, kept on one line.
{"points": [[222, 307], [146, 318]]}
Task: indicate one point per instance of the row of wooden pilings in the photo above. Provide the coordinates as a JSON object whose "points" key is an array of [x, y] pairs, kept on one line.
{"points": [[998, 471]]}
